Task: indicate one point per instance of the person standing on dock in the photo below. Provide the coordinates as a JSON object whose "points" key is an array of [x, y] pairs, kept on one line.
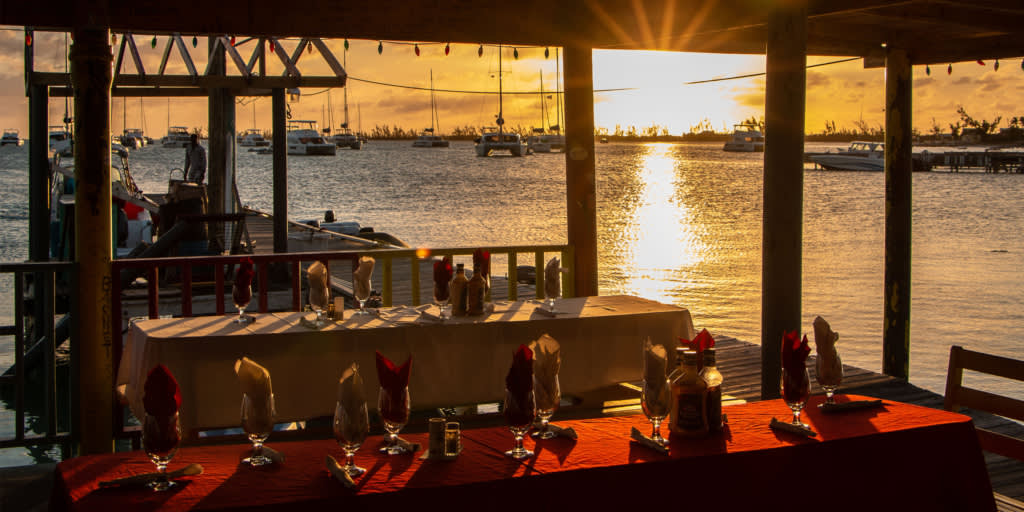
{"points": [[195, 161]]}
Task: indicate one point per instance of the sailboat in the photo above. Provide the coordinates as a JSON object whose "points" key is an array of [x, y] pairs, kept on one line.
{"points": [[344, 138], [428, 139], [542, 140], [495, 138]]}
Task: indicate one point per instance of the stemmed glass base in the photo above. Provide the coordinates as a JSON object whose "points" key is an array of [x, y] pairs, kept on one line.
{"points": [[242, 317], [550, 304], [544, 430], [160, 438], [258, 458], [656, 431], [830, 396], [441, 307], [350, 465], [393, 447], [362, 307], [162, 483], [518, 452]]}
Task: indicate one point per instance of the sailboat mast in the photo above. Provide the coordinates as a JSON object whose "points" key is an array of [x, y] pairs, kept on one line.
{"points": [[543, 113], [345, 89], [501, 115], [558, 89]]}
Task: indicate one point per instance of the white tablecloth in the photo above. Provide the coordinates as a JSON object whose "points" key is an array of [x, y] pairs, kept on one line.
{"points": [[460, 362]]}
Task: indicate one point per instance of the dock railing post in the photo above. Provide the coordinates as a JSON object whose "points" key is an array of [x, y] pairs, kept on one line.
{"points": [[91, 60], [782, 250], [899, 165]]}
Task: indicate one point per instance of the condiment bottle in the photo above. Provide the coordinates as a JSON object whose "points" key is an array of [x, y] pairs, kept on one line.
{"points": [[688, 417], [458, 290], [713, 379], [475, 290]]}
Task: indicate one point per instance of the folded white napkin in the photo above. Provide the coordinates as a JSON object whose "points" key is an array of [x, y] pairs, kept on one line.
{"points": [[553, 278], [361, 277], [655, 365], [317, 276], [254, 381], [338, 473], [547, 359], [830, 367]]}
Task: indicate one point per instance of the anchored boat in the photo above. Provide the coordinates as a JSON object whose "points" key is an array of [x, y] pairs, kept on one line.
{"points": [[305, 139]]}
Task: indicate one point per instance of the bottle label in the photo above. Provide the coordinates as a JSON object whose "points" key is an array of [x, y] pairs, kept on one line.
{"points": [[714, 406], [690, 415]]}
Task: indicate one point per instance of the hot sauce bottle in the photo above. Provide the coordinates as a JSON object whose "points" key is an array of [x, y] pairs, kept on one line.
{"points": [[713, 379], [688, 417]]}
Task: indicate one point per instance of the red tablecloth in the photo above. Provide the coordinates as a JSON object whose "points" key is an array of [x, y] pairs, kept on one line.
{"points": [[900, 457]]}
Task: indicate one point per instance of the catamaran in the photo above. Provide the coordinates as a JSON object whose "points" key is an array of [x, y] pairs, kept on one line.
{"points": [[495, 138], [428, 138]]}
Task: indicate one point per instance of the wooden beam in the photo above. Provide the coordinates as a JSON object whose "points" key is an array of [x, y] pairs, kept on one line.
{"points": [[898, 214], [91, 71], [280, 170], [782, 250], [289, 66], [580, 169], [328, 56], [165, 55], [235, 57], [185, 55], [136, 59], [202, 82]]}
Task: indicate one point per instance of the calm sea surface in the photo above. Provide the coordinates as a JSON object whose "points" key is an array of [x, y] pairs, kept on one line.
{"points": [[677, 223]]}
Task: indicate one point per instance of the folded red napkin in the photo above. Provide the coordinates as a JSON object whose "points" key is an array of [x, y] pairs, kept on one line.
{"points": [[700, 342], [794, 362], [161, 395], [442, 276], [394, 380], [243, 278], [482, 262], [520, 408]]}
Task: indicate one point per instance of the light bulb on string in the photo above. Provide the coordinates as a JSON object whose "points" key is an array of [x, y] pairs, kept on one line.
{"points": [[981, 62], [515, 53], [232, 40], [113, 38], [949, 70], [309, 47], [416, 49], [447, 49], [928, 70], [480, 53], [995, 65], [547, 52], [195, 41], [346, 44], [152, 43], [28, 39], [380, 47], [273, 47]]}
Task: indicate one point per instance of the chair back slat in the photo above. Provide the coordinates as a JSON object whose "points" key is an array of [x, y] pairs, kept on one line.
{"points": [[957, 396]]}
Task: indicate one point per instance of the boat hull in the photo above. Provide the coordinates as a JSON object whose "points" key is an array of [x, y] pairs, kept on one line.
{"points": [[312, 149], [488, 149], [849, 163], [430, 144]]}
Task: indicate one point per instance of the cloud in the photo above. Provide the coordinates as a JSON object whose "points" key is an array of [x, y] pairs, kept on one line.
{"points": [[923, 82], [963, 80], [817, 79]]}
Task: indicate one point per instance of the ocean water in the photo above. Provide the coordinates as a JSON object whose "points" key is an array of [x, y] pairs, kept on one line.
{"points": [[677, 223]]}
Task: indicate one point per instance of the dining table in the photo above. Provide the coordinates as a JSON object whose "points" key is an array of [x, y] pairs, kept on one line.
{"points": [[459, 361], [893, 456]]}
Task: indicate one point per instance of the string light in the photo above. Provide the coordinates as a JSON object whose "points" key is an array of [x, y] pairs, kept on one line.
{"points": [[113, 38], [380, 47], [928, 70], [996, 65], [152, 43], [28, 39], [273, 47], [480, 53], [195, 41], [981, 62], [346, 44], [232, 40], [949, 70], [309, 47], [515, 53], [547, 52], [416, 48], [447, 49]]}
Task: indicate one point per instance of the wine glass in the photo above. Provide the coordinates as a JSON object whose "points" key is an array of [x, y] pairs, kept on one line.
{"points": [[257, 421], [160, 438], [519, 417], [551, 296], [241, 296], [547, 398], [830, 376], [351, 425], [441, 296], [656, 399], [394, 410], [796, 389], [319, 298], [361, 291]]}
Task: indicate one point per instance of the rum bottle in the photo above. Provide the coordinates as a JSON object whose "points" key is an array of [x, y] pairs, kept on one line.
{"points": [[713, 379], [688, 417], [475, 289], [458, 291]]}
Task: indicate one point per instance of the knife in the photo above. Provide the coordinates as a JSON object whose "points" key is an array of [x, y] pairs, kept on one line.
{"points": [[145, 478]]}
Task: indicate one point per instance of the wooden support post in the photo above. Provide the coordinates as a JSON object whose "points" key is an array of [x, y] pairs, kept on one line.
{"points": [[580, 179], [221, 149], [783, 188], [38, 175], [279, 143], [91, 78], [898, 214]]}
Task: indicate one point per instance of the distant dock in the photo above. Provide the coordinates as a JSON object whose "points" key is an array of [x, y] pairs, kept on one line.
{"points": [[1008, 162]]}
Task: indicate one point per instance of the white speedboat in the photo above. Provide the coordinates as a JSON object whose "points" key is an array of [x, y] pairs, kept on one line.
{"points": [[10, 137], [133, 138], [305, 139], [746, 138], [252, 138], [860, 156], [61, 141], [177, 137]]}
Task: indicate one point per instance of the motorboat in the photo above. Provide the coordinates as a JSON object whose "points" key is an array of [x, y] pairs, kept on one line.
{"points": [[252, 138], [346, 139], [746, 138], [133, 138], [495, 139], [177, 137], [61, 141], [428, 137], [10, 137], [305, 139], [860, 156]]}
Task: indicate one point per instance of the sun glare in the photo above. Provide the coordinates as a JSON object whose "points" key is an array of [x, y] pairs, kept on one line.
{"points": [[663, 243]]}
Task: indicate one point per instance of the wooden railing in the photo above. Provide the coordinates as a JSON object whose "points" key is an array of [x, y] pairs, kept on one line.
{"points": [[39, 344]]}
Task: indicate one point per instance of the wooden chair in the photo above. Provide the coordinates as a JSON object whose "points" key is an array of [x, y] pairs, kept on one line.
{"points": [[957, 396]]}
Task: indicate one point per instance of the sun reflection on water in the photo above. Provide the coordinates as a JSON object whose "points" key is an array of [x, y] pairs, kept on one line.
{"points": [[659, 239]]}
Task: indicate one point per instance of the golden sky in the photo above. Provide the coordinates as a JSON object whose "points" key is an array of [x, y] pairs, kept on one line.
{"points": [[844, 93]]}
